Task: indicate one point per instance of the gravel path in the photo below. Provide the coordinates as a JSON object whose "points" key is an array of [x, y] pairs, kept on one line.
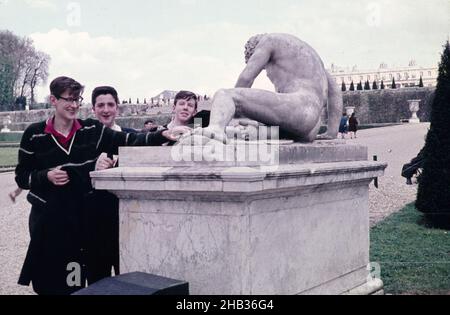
{"points": [[14, 236], [394, 145]]}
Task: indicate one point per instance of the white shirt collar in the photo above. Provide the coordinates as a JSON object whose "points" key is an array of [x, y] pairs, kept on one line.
{"points": [[116, 127]]}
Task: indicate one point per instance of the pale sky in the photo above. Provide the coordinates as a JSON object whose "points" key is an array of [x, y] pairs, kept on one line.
{"points": [[143, 47]]}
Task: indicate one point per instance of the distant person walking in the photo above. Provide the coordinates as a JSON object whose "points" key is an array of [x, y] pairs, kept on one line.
{"points": [[353, 126], [343, 126]]}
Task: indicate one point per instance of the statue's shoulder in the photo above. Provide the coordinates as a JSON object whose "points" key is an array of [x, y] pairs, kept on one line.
{"points": [[277, 39], [268, 42]]}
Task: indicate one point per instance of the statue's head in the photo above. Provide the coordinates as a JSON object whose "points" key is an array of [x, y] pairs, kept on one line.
{"points": [[251, 45]]}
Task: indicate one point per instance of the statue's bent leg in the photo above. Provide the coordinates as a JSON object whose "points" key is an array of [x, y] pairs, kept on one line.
{"points": [[222, 111], [297, 113]]}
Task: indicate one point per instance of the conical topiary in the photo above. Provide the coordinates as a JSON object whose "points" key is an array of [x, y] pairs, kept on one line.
{"points": [[421, 82], [433, 197]]}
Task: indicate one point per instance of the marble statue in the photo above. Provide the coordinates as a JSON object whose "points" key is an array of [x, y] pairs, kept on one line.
{"points": [[303, 90]]}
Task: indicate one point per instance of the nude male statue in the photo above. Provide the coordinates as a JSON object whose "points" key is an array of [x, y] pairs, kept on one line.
{"points": [[303, 89]]}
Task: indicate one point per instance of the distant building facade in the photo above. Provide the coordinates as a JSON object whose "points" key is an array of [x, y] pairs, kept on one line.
{"points": [[404, 76], [167, 97], [164, 98]]}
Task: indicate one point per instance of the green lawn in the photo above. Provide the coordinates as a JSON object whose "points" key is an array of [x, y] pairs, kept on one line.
{"points": [[414, 259], [13, 136], [8, 156]]}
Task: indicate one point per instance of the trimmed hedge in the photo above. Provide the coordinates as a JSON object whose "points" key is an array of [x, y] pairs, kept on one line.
{"points": [[14, 137], [389, 106]]}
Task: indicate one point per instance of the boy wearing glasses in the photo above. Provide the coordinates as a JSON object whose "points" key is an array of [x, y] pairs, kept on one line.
{"points": [[55, 158]]}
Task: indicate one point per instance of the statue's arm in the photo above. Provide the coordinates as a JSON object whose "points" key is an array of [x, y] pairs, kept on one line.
{"points": [[255, 65]]}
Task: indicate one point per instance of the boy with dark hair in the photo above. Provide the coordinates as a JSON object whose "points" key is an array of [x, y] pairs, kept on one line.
{"points": [[105, 104], [104, 90], [184, 109], [186, 95], [183, 112], [150, 125], [55, 158], [102, 215]]}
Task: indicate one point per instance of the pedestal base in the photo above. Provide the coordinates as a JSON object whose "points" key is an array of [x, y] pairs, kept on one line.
{"points": [[293, 228], [372, 287]]}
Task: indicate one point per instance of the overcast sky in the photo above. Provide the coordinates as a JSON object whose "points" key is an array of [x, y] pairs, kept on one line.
{"points": [[145, 46]]}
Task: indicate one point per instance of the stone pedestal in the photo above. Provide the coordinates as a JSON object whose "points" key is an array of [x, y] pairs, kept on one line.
{"points": [[291, 220], [6, 122], [414, 107]]}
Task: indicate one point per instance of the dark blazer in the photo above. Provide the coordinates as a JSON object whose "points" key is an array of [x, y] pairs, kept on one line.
{"points": [[61, 239], [352, 124], [129, 130]]}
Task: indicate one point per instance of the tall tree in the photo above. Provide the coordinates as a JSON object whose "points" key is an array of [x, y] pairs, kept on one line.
{"points": [[28, 68], [39, 73], [393, 85], [8, 43], [344, 87], [421, 82], [21, 51], [24, 66], [382, 85], [374, 85], [352, 86], [433, 197], [6, 82]]}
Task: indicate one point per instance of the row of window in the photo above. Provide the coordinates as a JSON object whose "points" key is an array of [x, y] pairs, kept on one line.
{"points": [[406, 76], [389, 86]]}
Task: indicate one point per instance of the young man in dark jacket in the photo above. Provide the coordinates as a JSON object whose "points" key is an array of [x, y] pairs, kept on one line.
{"points": [[55, 158], [102, 207]]}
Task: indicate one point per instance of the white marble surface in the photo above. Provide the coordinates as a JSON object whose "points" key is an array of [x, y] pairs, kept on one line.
{"points": [[299, 228], [244, 154], [276, 245]]}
